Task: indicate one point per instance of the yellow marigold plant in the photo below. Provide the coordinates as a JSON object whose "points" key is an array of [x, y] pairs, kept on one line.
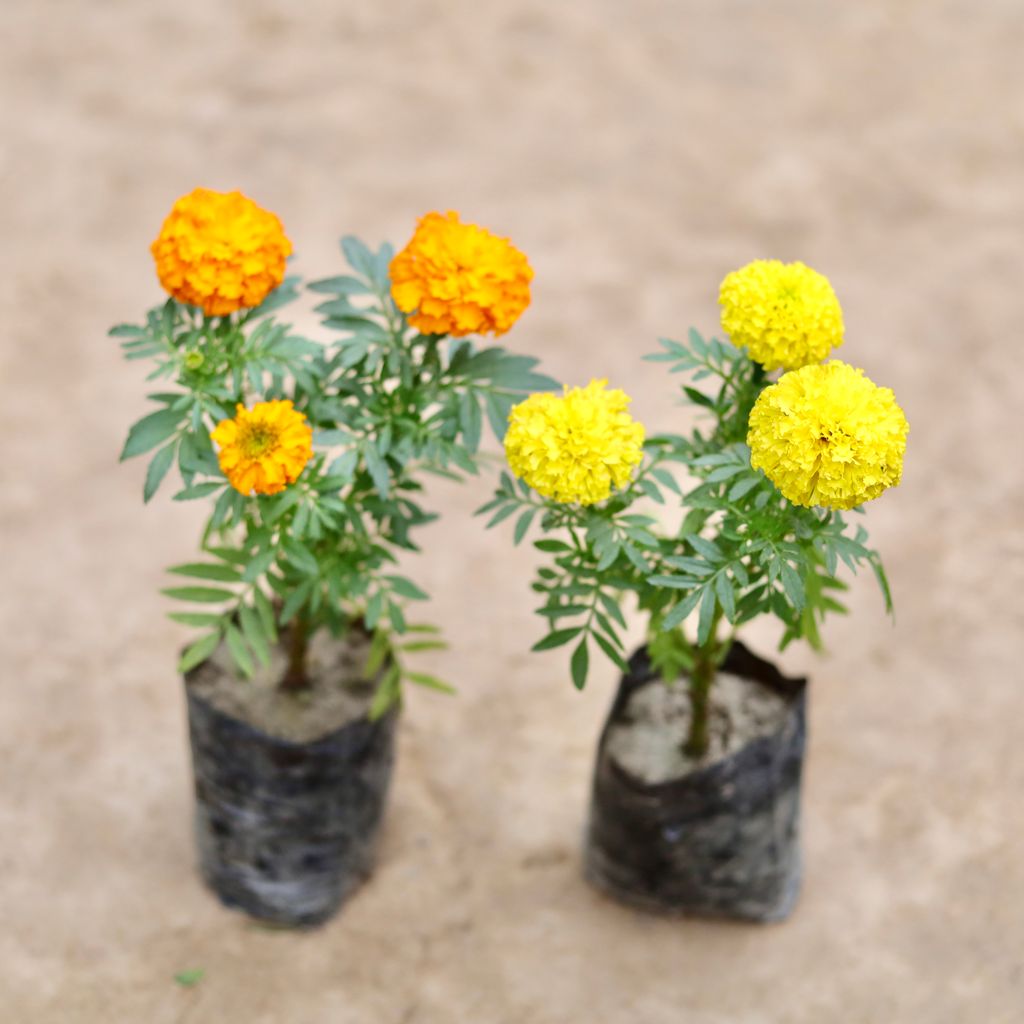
{"points": [[762, 528], [458, 279], [575, 447], [785, 315], [311, 452], [826, 435]]}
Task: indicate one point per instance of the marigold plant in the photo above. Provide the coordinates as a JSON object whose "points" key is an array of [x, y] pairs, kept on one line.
{"points": [[458, 279], [575, 447], [220, 252], [785, 315], [312, 453], [761, 531]]}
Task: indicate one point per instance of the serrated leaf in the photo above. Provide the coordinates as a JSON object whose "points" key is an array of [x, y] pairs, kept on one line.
{"points": [[378, 470], [580, 664], [611, 652], [704, 547], [198, 652], [259, 565], [208, 571], [125, 331], [200, 595], [793, 584], [252, 630], [523, 524], [157, 470], [194, 618], [359, 257], [203, 490], [726, 596], [557, 638], [406, 588], [431, 682], [549, 546], [343, 284], [672, 582], [705, 620], [502, 514], [681, 610], [743, 487], [611, 606], [150, 431], [239, 651]]}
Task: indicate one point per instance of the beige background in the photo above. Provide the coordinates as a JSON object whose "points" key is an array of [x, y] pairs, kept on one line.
{"points": [[636, 151]]}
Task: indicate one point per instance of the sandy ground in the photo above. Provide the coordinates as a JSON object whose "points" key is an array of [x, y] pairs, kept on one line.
{"points": [[636, 152]]}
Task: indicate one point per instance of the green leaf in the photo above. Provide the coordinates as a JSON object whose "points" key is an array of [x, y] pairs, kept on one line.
{"points": [[672, 582], [502, 514], [579, 664], [198, 652], [252, 630], [431, 682], [187, 979], [406, 588], [611, 652], [239, 651], [195, 618], [557, 638], [389, 693], [125, 331], [201, 595], [707, 615], [704, 547], [551, 546], [208, 571], [470, 420], [266, 613], [523, 524], [793, 585], [203, 490], [359, 256], [699, 398], [157, 470], [681, 610], [259, 565], [743, 487], [340, 285], [726, 595], [378, 470], [611, 606], [150, 431]]}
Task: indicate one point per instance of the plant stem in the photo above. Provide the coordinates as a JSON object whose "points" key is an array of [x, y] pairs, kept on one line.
{"points": [[702, 675], [700, 691], [295, 678]]}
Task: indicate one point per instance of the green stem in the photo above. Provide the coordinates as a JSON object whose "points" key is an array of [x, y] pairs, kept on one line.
{"points": [[705, 663], [296, 678]]}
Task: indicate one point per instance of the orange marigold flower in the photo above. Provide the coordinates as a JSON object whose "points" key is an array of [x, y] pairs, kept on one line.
{"points": [[265, 448], [459, 279], [220, 251]]}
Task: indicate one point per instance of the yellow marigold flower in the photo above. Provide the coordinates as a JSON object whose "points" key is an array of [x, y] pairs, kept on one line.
{"points": [[826, 435], [574, 447], [784, 314], [264, 448], [220, 251], [459, 279]]}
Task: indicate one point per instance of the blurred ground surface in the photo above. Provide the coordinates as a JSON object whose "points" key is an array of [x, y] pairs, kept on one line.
{"points": [[636, 152]]}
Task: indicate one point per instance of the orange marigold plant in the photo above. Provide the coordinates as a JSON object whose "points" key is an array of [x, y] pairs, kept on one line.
{"points": [[458, 279], [220, 251], [311, 451]]}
